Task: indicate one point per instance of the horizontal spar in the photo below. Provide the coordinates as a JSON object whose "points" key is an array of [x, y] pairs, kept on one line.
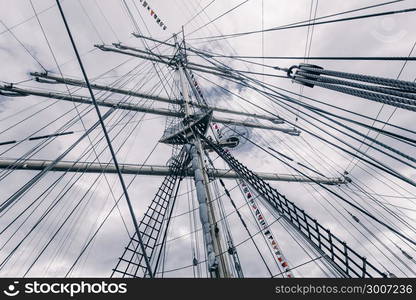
{"points": [[290, 131], [12, 91], [47, 78], [153, 170], [192, 66], [188, 63]]}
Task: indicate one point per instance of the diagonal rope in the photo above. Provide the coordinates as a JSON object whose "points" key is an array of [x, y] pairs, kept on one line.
{"points": [[133, 216]]}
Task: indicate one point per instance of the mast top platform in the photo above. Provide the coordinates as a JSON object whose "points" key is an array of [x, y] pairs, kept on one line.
{"points": [[185, 130]]}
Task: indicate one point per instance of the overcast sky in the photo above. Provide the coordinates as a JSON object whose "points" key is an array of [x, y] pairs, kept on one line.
{"points": [[105, 22]]}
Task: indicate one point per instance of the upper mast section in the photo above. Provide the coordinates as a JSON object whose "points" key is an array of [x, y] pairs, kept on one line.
{"points": [[194, 122]]}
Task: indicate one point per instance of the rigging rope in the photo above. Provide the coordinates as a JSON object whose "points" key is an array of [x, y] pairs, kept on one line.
{"points": [[225, 36], [133, 216]]}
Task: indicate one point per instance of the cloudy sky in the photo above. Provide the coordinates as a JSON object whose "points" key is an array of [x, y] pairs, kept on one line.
{"points": [[29, 43]]}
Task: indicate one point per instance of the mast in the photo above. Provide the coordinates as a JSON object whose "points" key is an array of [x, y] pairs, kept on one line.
{"points": [[217, 264]]}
